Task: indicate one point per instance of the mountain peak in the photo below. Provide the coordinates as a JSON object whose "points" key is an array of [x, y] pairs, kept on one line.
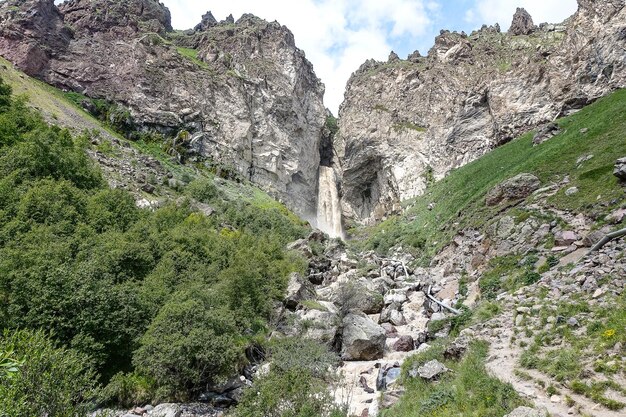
{"points": [[522, 23]]}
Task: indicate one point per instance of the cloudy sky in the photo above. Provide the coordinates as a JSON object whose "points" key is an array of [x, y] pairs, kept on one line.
{"points": [[339, 35]]}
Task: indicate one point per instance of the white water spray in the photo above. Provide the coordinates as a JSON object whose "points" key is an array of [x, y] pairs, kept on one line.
{"points": [[328, 205]]}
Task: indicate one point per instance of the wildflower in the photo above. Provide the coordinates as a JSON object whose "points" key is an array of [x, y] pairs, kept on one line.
{"points": [[609, 333]]}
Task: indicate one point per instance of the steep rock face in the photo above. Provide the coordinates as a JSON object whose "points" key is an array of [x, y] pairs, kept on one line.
{"points": [[32, 33], [405, 123], [243, 91]]}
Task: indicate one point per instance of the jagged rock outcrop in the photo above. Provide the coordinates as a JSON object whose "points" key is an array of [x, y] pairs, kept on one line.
{"points": [[404, 123], [208, 21], [241, 92], [522, 23]]}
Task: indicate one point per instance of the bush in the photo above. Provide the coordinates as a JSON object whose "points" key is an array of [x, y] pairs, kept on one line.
{"points": [[191, 344], [115, 283], [296, 386], [203, 190], [51, 381], [129, 390]]}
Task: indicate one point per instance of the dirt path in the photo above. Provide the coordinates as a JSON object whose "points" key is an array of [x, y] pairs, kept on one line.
{"points": [[503, 361]]}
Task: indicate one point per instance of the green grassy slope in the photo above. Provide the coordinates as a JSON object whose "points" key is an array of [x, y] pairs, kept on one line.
{"points": [[459, 199]]}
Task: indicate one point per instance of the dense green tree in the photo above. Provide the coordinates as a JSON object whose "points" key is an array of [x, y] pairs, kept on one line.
{"points": [[192, 343]]}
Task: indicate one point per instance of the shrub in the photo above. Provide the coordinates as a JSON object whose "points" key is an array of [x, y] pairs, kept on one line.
{"points": [[191, 344], [203, 190], [51, 381], [129, 390], [296, 385]]}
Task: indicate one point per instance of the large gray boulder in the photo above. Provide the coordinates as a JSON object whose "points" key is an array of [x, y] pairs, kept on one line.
{"points": [[363, 340], [516, 188], [522, 23], [298, 290], [429, 371]]}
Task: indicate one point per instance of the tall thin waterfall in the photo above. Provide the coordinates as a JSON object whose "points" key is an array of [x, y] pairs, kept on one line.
{"points": [[328, 205]]}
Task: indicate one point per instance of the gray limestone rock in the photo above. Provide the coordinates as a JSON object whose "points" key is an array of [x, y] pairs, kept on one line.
{"points": [[620, 169], [208, 21], [525, 412], [439, 112], [363, 340], [429, 371], [518, 187], [166, 410], [298, 290]]}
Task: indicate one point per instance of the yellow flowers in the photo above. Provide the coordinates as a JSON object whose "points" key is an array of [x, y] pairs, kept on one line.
{"points": [[609, 333]]}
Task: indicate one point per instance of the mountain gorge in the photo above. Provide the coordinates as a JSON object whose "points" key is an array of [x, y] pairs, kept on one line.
{"points": [[161, 192]]}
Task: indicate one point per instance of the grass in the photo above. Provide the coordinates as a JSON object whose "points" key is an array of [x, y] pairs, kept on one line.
{"points": [[597, 392], [459, 199], [399, 127], [192, 55], [467, 390], [568, 355]]}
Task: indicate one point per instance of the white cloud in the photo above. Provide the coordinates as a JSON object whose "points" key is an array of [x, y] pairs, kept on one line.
{"points": [[499, 11]]}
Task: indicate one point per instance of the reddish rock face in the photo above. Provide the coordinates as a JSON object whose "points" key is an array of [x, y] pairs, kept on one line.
{"points": [[31, 33]]}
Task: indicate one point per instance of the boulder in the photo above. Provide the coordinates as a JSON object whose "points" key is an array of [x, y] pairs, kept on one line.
{"points": [[620, 169], [592, 238], [430, 371], [545, 133], [616, 217], [565, 238], [457, 348], [166, 410], [299, 289], [516, 188], [302, 246], [525, 412], [363, 340], [404, 344], [522, 23]]}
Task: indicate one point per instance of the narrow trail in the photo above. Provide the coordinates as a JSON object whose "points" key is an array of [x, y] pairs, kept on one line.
{"points": [[504, 359]]}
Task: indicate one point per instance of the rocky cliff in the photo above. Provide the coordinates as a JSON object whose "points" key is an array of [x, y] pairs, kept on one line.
{"points": [[238, 93], [405, 123]]}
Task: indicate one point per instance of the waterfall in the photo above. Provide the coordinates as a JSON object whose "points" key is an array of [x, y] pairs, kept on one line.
{"points": [[328, 205]]}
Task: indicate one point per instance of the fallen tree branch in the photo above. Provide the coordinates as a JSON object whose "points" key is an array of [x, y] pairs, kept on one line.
{"points": [[606, 239], [454, 310]]}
